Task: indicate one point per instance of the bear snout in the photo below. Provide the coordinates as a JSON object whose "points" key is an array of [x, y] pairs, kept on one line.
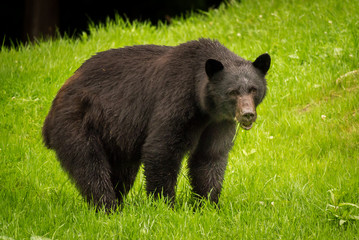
{"points": [[246, 111]]}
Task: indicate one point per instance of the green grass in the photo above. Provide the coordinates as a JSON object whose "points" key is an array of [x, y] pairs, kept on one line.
{"points": [[295, 175]]}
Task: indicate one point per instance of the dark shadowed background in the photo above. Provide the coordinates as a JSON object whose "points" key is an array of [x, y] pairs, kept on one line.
{"points": [[26, 20]]}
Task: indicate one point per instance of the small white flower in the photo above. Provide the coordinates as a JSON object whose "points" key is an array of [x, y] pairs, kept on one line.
{"points": [[338, 51], [323, 117]]}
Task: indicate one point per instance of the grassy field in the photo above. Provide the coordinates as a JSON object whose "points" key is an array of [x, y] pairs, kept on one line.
{"points": [[295, 175]]}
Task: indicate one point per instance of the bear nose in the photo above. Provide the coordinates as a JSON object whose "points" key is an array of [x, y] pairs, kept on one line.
{"points": [[248, 116]]}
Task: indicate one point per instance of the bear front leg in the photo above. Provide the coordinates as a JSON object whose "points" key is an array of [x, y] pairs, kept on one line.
{"points": [[162, 154], [207, 163]]}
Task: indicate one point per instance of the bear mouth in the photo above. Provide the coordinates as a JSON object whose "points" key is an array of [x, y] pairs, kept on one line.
{"points": [[246, 126], [243, 123]]}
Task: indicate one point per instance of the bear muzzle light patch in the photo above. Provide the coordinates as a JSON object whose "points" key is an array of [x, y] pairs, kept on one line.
{"points": [[246, 113]]}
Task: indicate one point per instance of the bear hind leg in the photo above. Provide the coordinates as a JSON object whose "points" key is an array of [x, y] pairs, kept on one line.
{"points": [[87, 164], [123, 181]]}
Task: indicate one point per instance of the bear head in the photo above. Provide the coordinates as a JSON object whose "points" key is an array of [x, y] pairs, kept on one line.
{"points": [[235, 89]]}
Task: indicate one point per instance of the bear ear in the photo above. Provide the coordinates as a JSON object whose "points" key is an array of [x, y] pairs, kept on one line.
{"points": [[262, 63], [213, 66]]}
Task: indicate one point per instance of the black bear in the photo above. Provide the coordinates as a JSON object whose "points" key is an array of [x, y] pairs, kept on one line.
{"points": [[151, 105]]}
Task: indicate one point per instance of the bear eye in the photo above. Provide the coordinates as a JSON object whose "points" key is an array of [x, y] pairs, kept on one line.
{"points": [[252, 90], [233, 92]]}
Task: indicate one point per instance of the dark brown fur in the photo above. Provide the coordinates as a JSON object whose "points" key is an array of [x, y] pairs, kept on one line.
{"points": [[151, 104]]}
